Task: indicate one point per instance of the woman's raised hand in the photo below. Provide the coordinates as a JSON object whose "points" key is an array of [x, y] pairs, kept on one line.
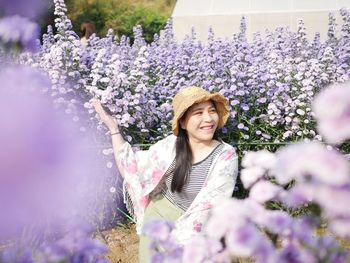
{"points": [[108, 120]]}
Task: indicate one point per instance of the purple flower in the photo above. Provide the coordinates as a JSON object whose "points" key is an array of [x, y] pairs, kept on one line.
{"points": [[158, 229], [332, 110], [234, 210], [16, 29], [251, 175], [47, 176], [295, 254], [278, 222], [75, 246], [256, 166], [333, 200], [157, 258], [311, 161], [339, 257], [246, 240], [297, 196], [264, 191], [200, 249], [16, 255], [263, 159]]}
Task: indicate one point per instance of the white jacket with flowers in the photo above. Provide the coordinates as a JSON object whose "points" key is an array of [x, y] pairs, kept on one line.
{"points": [[143, 171]]}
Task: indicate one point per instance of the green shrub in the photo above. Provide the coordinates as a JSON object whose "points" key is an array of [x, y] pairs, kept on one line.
{"points": [[121, 16], [151, 22]]}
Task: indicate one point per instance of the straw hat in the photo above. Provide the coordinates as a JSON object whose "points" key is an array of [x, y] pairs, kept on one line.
{"points": [[192, 95]]}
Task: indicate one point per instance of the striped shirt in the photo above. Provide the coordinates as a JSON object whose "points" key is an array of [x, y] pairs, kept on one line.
{"points": [[194, 182]]}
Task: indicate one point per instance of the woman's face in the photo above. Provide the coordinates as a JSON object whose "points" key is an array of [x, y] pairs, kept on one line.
{"points": [[200, 121]]}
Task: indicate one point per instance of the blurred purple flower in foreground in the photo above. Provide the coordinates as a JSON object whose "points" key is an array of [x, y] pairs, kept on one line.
{"points": [[19, 30], [76, 246], [47, 177], [256, 164], [200, 249], [26, 8], [158, 229], [311, 161], [264, 191], [332, 110]]}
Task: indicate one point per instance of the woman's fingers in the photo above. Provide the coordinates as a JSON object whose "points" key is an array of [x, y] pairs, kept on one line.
{"points": [[99, 109], [105, 117], [97, 105]]}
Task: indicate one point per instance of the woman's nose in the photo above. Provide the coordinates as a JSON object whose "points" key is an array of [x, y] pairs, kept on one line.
{"points": [[207, 116]]}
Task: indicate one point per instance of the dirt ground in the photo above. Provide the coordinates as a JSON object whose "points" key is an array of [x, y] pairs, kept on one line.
{"points": [[123, 244]]}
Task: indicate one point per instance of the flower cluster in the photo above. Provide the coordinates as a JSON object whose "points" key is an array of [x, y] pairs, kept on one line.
{"points": [[270, 81]]}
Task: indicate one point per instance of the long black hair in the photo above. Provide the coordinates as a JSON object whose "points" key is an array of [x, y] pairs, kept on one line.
{"points": [[183, 159]]}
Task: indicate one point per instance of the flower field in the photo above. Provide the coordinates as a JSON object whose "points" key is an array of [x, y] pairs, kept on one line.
{"points": [[290, 123]]}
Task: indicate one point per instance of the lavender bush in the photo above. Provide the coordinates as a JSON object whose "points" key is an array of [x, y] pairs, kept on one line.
{"points": [[270, 81]]}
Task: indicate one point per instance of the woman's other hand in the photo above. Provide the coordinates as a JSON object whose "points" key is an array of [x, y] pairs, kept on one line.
{"points": [[107, 119]]}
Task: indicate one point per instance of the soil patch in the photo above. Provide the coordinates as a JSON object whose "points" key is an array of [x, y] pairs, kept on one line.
{"points": [[123, 244]]}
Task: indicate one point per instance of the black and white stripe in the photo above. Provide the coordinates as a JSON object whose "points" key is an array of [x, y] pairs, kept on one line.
{"points": [[195, 181]]}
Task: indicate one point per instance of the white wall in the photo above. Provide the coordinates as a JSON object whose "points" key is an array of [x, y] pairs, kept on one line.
{"points": [[224, 15]]}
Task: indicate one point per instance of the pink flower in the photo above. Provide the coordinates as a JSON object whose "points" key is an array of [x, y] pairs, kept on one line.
{"points": [[130, 167], [197, 226], [156, 176], [144, 201], [227, 155], [332, 110], [154, 155], [207, 205]]}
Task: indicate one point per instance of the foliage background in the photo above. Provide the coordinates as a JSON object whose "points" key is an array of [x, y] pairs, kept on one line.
{"points": [[121, 15]]}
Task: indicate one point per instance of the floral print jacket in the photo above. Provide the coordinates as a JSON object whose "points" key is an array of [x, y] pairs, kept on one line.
{"points": [[143, 171]]}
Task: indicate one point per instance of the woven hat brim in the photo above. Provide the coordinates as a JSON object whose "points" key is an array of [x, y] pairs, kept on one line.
{"points": [[221, 105]]}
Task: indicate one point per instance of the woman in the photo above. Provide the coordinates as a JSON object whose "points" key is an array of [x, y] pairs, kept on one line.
{"points": [[191, 170]]}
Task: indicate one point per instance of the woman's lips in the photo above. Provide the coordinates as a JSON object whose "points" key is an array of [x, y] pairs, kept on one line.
{"points": [[207, 127]]}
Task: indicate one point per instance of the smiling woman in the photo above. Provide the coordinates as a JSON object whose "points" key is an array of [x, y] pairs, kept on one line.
{"points": [[182, 177]]}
